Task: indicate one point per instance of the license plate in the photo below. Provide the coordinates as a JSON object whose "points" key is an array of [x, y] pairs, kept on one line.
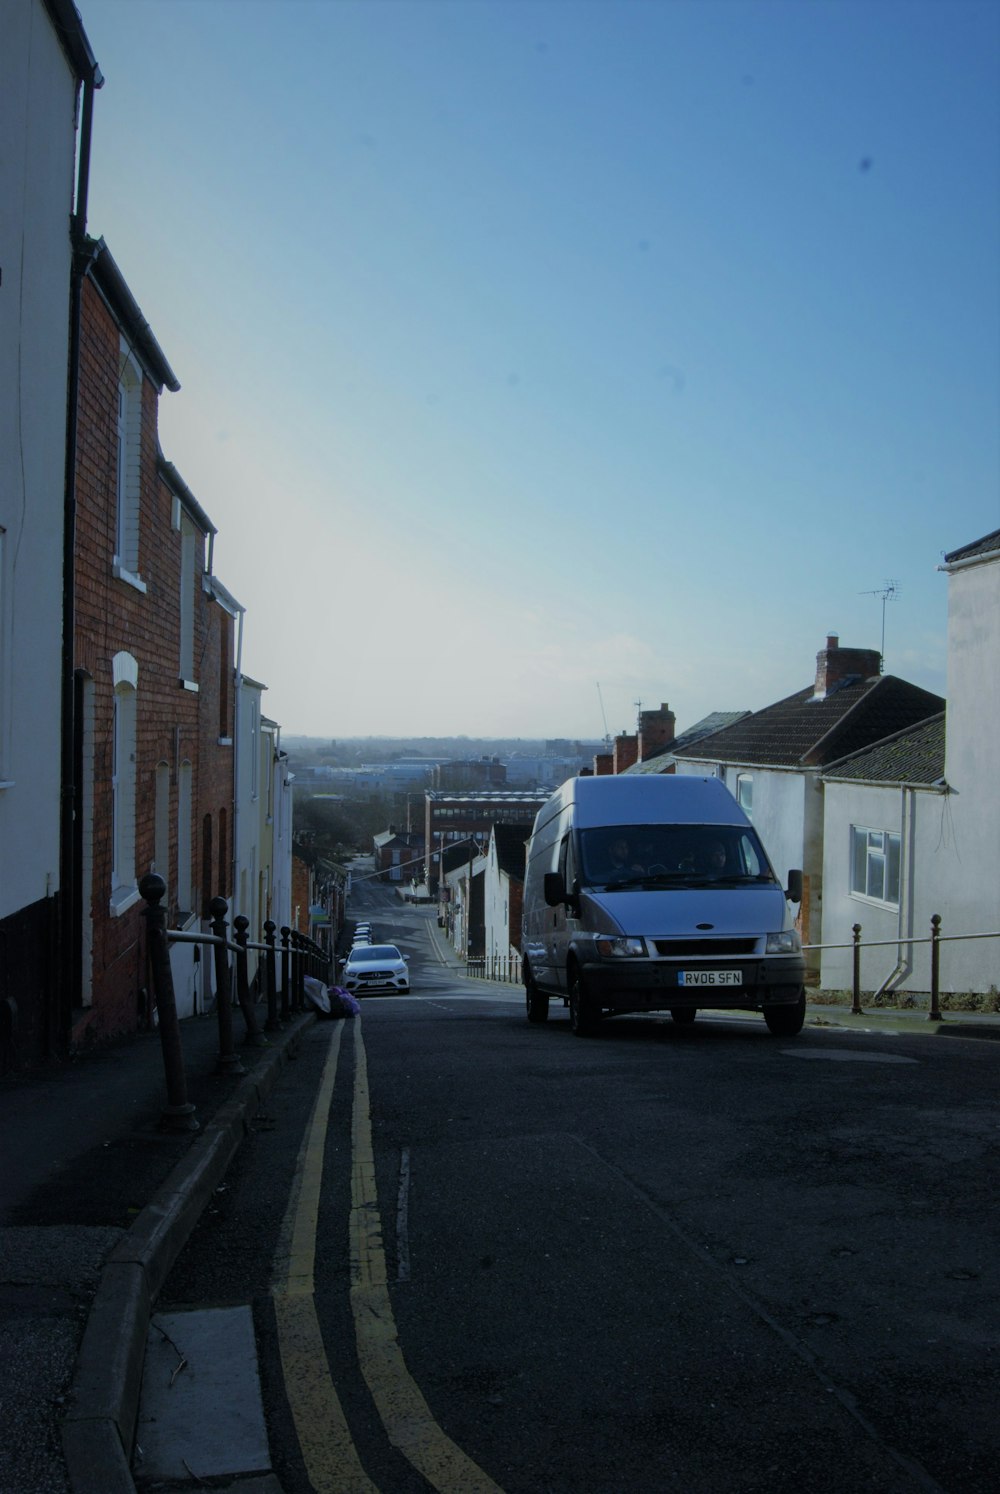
{"points": [[709, 978]]}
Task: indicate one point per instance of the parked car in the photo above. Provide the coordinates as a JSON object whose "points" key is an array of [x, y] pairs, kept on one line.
{"points": [[375, 967]]}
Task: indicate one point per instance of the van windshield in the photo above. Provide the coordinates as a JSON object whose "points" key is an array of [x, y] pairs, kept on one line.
{"points": [[672, 855]]}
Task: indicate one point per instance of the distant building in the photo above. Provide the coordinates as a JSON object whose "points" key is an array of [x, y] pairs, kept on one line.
{"points": [[477, 773], [452, 817]]}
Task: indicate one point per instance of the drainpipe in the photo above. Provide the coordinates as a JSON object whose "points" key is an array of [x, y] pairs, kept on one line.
{"points": [[904, 960], [69, 935], [237, 705]]}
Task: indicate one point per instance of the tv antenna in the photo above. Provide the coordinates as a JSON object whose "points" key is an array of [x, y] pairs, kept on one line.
{"points": [[604, 715], [889, 591]]}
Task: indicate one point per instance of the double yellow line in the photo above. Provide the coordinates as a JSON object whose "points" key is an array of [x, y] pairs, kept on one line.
{"points": [[331, 1459]]}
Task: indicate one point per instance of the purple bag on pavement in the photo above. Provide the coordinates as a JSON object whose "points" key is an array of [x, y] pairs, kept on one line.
{"points": [[342, 1003]]}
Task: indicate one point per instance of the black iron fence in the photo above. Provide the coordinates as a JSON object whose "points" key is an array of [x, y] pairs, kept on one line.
{"points": [[299, 957], [935, 939]]}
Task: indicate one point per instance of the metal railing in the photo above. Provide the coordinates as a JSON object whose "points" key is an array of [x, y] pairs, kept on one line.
{"points": [[299, 956], [502, 968], [935, 939]]}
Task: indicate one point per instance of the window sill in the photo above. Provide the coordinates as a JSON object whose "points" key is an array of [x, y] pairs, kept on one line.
{"points": [[874, 902], [122, 899], [129, 577], [225, 742], [189, 685]]}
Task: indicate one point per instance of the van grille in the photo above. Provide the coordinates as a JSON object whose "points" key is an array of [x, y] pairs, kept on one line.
{"points": [[708, 947]]}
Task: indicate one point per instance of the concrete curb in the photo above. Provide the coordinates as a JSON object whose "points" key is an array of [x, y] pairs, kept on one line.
{"points": [[906, 1020], [99, 1428]]}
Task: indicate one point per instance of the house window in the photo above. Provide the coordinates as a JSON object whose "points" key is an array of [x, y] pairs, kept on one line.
{"points": [[188, 541], [254, 748], [126, 561], [124, 892], [184, 893], [161, 822], [206, 864], [744, 793], [223, 886], [875, 865]]}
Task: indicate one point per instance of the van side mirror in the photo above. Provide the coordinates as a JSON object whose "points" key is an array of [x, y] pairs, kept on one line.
{"points": [[554, 889], [794, 889]]}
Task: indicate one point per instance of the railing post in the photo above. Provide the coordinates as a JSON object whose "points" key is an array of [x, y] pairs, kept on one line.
{"points": [[286, 974], [179, 1112], [229, 1060], [298, 971], [270, 965], [934, 1015], [255, 1038], [856, 1002]]}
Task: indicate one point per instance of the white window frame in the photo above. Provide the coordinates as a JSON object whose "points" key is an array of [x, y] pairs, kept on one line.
{"points": [[129, 487], [124, 887], [744, 793], [874, 861]]}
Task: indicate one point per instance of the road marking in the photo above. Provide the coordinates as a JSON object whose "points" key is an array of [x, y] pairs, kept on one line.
{"points": [[328, 1451], [405, 1414], [846, 1055], [403, 1218]]}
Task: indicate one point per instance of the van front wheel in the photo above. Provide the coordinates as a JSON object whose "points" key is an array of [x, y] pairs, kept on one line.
{"points": [[786, 1021], [583, 1014]]}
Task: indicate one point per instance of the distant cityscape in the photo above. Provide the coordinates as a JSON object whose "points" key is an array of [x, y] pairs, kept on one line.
{"points": [[375, 766]]}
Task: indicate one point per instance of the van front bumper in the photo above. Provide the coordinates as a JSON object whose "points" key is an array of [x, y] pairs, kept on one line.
{"points": [[654, 985]]}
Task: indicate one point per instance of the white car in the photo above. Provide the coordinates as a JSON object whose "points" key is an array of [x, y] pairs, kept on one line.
{"points": [[375, 967]]}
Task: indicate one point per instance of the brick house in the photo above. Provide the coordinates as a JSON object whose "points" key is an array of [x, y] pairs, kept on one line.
{"points": [[141, 624]]}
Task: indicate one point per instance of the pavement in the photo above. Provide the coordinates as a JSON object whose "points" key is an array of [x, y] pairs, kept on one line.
{"points": [[97, 1199]]}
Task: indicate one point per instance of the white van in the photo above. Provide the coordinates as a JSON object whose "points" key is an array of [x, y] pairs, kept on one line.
{"points": [[652, 892]]}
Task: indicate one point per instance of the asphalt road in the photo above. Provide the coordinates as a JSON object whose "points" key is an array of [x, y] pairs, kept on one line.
{"points": [[698, 1259]]}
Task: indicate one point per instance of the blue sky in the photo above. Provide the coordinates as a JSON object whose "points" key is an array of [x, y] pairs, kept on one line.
{"points": [[528, 346]]}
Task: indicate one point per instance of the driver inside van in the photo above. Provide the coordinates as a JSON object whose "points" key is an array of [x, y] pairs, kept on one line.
{"points": [[709, 858], [621, 862]]}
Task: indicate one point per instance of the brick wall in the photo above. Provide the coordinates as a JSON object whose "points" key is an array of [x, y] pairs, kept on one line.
{"points": [[113, 616]]}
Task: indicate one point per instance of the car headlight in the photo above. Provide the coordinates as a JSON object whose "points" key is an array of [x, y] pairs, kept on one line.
{"points": [[624, 947], [787, 942]]}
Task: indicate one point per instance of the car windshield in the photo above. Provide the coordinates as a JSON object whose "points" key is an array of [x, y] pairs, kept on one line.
{"points": [[672, 855], [375, 952]]}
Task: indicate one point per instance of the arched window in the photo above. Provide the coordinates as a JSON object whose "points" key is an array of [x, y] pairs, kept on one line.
{"points": [[124, 891], [184, 893], [161, 823]]}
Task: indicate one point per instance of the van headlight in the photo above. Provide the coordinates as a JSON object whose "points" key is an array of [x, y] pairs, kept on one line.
{"points": [[623, 948], [787, 942]]}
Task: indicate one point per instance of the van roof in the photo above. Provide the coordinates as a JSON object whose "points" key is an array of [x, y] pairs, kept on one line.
{"points": [[619, 799]]}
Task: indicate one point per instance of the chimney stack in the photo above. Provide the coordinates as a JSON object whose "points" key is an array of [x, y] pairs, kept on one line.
{"points": [[836, 666], [626, 752], [656, 731]]}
